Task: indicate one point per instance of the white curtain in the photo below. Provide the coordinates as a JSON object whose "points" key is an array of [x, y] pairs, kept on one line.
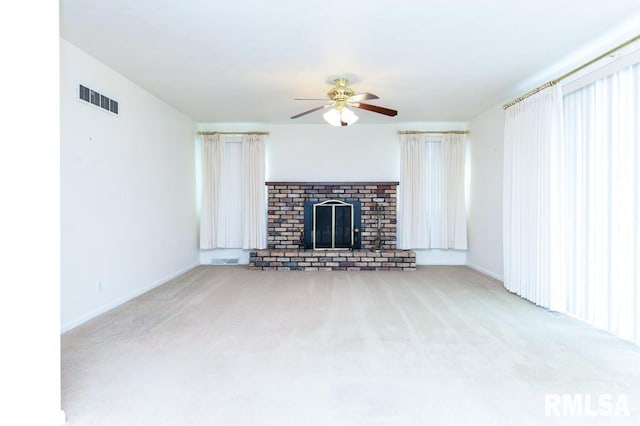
{"points": [[233, 211], [600, 166], [454, 150], [412, 194], [533, 129], [431, 201], [255, 227], [572, 201], [212, 214]]}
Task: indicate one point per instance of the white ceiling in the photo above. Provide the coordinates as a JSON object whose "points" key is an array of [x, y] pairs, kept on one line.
{"points": [[245, 60]]}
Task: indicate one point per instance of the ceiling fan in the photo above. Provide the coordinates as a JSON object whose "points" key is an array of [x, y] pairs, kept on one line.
{"points": [[340, 97]]}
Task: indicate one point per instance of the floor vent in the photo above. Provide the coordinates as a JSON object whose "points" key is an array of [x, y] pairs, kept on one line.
{"points": [[98, 99], [225, 261]]}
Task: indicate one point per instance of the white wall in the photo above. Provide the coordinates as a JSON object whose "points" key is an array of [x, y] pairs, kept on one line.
{"points": [[30, 218], [127, 191], [320, 152], [485, 192]]}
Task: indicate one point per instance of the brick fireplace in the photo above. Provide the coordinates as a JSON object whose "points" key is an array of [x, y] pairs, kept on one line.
{"points": [[376, 233]]}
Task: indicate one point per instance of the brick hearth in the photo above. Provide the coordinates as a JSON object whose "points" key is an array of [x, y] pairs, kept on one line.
{"points": [[333, 260], [285, 227]]}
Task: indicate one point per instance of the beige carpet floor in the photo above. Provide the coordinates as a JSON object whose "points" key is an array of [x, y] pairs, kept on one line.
{"points": [[222, 345]]}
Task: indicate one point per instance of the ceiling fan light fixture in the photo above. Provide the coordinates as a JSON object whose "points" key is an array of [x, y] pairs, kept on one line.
{"points": [[340, 117], [348, 116]]}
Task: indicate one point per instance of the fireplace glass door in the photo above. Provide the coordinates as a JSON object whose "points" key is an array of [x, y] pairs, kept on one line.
{"points": [[332, 225]]}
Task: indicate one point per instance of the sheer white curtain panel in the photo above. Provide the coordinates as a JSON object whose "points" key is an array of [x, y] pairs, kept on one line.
{"points": [[436, 228], [600, 163], [232, 202]]}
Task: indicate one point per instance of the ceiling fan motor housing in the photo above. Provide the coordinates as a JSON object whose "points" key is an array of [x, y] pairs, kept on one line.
{"points": [[340, 93]]}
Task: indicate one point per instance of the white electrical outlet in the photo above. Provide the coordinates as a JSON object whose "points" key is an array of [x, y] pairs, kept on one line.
{"points": [[99, 287]]}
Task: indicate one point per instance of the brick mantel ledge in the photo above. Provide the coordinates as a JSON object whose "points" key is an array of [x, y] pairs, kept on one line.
{"points": [[332, 183]]}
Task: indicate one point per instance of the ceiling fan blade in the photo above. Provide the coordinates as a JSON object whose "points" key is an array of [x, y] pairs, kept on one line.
{"points": [[375, 108], [362, 97], [310, 111]]}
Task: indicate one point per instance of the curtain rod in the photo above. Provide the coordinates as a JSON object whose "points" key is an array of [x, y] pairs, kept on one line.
{"points": [[434, 132], [233, 133], [570, 73]]}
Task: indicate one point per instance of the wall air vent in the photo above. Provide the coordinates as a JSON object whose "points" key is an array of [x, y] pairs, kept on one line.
{"points": [[234, 261], [98, 99]]}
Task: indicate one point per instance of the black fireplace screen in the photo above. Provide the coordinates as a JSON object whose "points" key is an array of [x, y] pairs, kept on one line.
{"points": [[332, 224]]}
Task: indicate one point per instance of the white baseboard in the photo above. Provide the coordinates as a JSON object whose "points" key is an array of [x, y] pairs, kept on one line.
{"points": [[484, 271], [117, 302]]}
